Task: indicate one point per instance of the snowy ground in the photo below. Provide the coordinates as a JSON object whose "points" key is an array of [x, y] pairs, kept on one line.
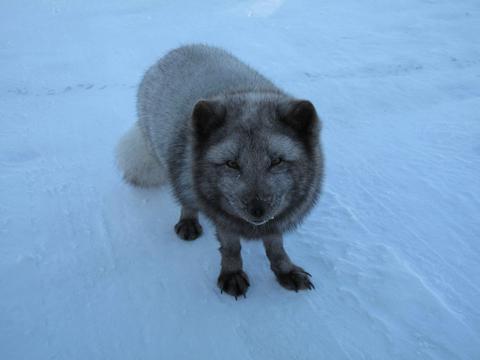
{"points": [[90, 268]]}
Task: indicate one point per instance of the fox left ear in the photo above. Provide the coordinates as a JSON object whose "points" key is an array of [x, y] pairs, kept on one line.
{"points": [[300, 115], [207, 116]]}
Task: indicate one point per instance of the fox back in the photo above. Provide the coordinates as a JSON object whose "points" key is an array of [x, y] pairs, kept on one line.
{"points": [[244, 119]]}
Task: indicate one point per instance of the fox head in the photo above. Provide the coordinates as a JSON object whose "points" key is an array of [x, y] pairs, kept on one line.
{"points": [[257, 162]]}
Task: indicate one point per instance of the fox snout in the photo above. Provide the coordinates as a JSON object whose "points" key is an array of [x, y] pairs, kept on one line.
{"points": [[258, 209]]}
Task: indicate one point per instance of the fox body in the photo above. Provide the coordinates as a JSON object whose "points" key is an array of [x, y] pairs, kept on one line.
{"points": [[232, 145]]}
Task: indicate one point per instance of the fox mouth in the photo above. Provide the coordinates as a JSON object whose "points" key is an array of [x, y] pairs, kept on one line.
{"points": [[259, 222], [243, 214]]}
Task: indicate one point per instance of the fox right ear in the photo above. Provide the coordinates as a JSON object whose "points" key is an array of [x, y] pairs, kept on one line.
{"points": [[301, 116], [207, 116]]}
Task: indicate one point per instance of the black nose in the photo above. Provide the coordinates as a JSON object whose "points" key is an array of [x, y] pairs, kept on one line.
{"points": [[256, 209]]}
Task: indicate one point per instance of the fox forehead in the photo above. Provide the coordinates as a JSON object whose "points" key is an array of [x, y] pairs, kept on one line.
{"points": [[285, 147], [222, 151], [275, 145]]}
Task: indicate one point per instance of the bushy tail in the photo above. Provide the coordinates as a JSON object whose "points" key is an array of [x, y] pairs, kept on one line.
{"points": [[139, 166]]}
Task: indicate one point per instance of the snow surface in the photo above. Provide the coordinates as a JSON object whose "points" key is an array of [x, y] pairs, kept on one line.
{"points": [[90, 268]]}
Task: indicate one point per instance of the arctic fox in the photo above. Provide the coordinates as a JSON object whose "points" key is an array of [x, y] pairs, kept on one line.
{"points": [[232, 145]]}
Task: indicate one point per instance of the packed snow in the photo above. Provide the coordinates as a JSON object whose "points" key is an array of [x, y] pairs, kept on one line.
{"points": [[90, 268]]}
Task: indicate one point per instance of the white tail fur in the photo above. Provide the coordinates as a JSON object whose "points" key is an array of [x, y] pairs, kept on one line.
{"points": [[139, 166]]}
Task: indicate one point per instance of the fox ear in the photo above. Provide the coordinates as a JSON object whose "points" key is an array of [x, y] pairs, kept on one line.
{"points": [[207, 116], [300, 115]]}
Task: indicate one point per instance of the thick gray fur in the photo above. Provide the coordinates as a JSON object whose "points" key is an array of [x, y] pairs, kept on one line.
{"points": [[232, 145]]}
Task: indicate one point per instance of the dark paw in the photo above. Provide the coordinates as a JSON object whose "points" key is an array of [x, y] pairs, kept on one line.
{"points": [[188, 229], [234, 283], [296, 279]]}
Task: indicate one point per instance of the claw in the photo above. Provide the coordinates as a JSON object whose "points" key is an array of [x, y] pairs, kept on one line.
{"points": [[234, 284]]}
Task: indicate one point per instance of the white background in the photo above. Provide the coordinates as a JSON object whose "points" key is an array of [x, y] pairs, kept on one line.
{"points": [[91, 268]]}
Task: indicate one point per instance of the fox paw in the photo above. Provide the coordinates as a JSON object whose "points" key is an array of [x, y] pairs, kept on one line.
{"points": [[296, 279], [188, 229], [233, 283]]}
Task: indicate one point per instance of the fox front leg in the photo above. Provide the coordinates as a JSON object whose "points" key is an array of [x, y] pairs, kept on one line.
{"points": [[289, 275], [188, 227], [232, 279]]}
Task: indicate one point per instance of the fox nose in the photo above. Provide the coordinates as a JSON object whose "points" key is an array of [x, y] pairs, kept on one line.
{"points": [[256, 208]]}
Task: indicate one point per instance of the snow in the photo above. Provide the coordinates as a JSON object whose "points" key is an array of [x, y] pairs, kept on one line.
{"points": [[91, 268]]}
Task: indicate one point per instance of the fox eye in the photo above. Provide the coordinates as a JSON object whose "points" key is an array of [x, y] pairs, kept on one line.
{"points": [[232, 164], [276, 161]]}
